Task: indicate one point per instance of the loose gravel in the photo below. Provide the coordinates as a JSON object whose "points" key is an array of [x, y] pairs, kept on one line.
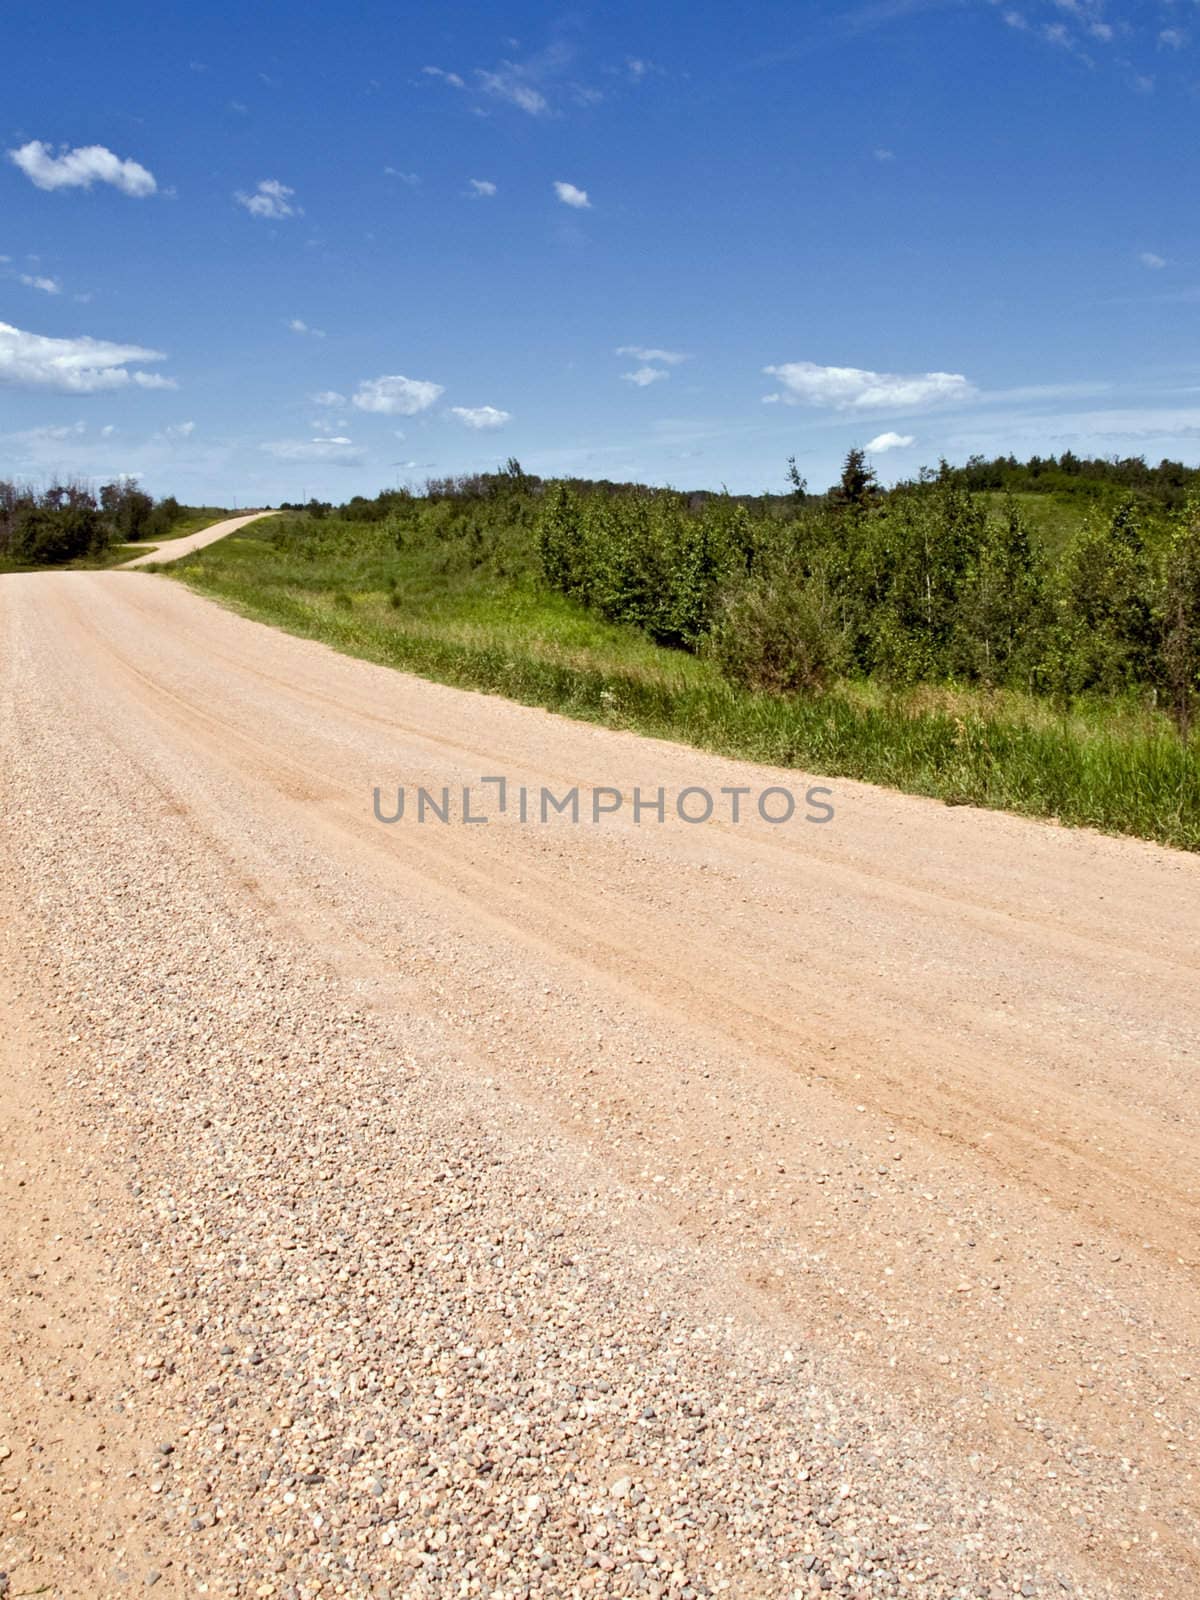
{"points": [[361, 1316]]}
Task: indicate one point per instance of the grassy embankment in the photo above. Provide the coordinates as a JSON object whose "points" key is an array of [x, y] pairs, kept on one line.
{"points": [[1117, 766], [112, 557], [195, 520]]}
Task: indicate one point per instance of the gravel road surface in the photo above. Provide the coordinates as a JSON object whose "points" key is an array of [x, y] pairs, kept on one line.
{"points": [[427, 1208]]}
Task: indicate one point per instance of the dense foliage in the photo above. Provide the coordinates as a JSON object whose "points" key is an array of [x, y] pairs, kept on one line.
{"points": [[929, 583], [68, 522], [1167, 485], [940, 581]]}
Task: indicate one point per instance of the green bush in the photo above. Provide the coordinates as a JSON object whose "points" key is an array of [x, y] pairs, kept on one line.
{"points": [[47, 536], [781, 634]]}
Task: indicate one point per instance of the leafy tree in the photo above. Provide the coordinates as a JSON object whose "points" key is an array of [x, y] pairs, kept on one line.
{"points": [[127, 509], [1180, 620], [1000, 600], [1103, 630]]}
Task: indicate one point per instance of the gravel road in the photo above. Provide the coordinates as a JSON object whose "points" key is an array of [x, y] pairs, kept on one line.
{"points": [[554, 1209], [174, 548]]}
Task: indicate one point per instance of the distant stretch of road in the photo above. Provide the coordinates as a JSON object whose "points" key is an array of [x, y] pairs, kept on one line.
{"points": [[541, 1207], [174, 548]]}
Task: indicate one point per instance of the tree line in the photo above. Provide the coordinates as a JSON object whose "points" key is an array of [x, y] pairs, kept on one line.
{"points": [[938, 580], [69, 522], [926, 583]]}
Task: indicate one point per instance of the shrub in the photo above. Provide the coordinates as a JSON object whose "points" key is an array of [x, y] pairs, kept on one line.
{"points": [[781, 634]]}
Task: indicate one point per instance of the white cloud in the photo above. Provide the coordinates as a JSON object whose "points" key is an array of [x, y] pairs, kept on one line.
{"points": [[297, 326], [483, 188], [882, 154], [329, 397], [481, 416], [452, 78], [643, 377], [1172, 38], [855, 389], [73, 366], [396, 395], [49, 433], [1025, 392], [883, 442], [81, 168], [338, 451], [668, 358], [410, 178], [509, 84], [1149, 259], [180, 430], [46, 285], [571, 196], [271, 199]]}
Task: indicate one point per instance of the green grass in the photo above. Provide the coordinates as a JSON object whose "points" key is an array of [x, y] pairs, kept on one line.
{"points": [[112, 557], [1116, 767], [196, 519], [1055, 519]]}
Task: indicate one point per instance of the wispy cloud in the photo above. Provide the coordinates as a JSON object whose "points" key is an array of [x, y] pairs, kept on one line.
{"points": [[298, 326], [571, 196], [883, 442], [1154, 262], [643, 377], [509, 84], [482, 188], [46, 285], [73, 366], [330, 398], [81, 168], [641, 352], [534, 83], [857, 389], [271, 200], [412, 179], [450, 78], [483, 418], [338, 451], [397, 395]]}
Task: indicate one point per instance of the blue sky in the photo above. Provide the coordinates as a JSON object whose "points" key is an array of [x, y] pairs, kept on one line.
{"points": [[320, 251]]}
